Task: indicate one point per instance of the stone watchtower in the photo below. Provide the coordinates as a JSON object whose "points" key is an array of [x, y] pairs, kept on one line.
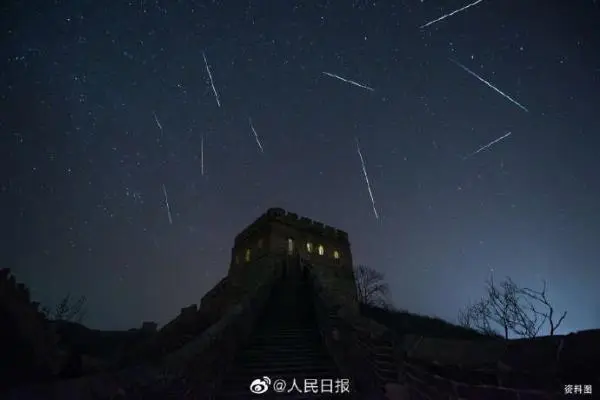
{"points": [[280, 235]]}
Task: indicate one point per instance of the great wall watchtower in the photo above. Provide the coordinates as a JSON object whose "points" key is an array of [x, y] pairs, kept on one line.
{"points": [[278, 233], [286, 240]]}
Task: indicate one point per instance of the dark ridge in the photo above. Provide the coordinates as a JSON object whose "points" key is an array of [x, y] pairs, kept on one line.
{"points": [[406, 323]]}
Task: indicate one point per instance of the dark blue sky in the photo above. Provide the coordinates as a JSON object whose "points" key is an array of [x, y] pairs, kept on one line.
{"points": [[84, 161]]}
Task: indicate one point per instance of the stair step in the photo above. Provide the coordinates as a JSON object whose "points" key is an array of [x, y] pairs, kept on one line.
{"points": [[283, 321], [299, 330], [283, 336], [285, 326], [314, 342], [315, 358], [253, 355], [293, 370], [286, 340], [296, 345], [285, 365], [278, 358], [381, 361], [275, 360], [287, 348], [285, 344]]}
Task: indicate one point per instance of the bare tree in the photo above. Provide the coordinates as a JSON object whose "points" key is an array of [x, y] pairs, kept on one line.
{"points": [[548, 315], [476, 316], [371, 287], [513, 309], [67, 310]]}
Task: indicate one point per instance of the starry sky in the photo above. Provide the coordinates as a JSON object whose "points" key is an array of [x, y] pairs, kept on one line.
{"points": [[102, 104]]}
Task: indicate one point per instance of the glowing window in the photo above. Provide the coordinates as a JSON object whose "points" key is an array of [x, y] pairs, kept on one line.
{"points": [[309, 247], [321, 250], [290, 246], [336, 254], [237, 259], [247, 258], [260, 243]]}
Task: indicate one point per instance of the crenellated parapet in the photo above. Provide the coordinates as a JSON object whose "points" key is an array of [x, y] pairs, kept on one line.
{"points": [[295, 221], [279, 233], [10, 288]]}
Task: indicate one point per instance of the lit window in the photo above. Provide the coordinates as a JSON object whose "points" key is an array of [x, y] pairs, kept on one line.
{"points": [[321, 250], [260, 243], [247, 258], [290, 246], [336, 254], [237, 259], [309, 247]]}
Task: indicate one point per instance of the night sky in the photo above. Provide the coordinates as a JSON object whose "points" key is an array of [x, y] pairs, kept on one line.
{"points": [[103, 103]]}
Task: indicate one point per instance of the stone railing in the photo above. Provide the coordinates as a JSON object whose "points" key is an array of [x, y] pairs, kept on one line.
{"points": [[193, 371]]}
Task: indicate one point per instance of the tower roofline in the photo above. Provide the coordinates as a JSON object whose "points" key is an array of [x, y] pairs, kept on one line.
{"points": [[288, 218]]}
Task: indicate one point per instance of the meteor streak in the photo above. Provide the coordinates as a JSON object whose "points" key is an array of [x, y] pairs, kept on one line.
{"points": [[167, 204], [364, 169], [487, 145], [212, 83], [349, 81], [490, 85], [450, 14]]}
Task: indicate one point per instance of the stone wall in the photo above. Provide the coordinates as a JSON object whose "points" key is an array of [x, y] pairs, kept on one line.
{"points": [[516, 369], [339, 285], [547, 354], [194, 320], [28, 346], [190, 372]]}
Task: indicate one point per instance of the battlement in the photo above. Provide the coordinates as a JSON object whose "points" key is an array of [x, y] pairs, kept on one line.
{"points": [[297, 222], [10, 288]]}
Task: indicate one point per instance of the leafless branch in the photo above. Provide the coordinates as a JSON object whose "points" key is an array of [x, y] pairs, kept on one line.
{"points": [[371, 286], [515, 310], [548, 315], [67, 310]]}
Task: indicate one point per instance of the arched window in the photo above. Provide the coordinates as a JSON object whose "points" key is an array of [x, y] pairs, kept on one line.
{"points": [[260, 243], [336, 254], [247, 258], [309, 247], [290, 245], [321, 250]]}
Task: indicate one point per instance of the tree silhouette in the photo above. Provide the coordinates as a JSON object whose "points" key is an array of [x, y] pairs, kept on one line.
{"points": [[515, 310], [67, 310], [371, 287]]}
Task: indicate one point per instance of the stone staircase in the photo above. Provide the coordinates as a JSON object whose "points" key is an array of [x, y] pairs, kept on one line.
{"points": [[285, 345]]}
